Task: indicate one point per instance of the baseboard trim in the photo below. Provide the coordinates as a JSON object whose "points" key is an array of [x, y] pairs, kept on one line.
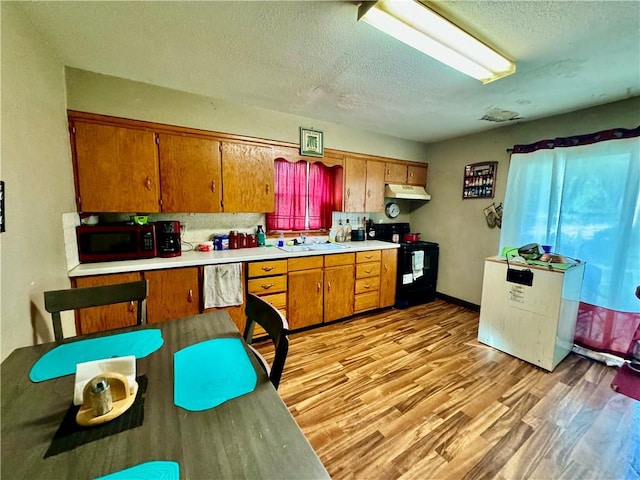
{"points": [[457, 301]]}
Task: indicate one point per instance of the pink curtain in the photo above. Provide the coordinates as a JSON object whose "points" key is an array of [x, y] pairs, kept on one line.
{"points": [[606, 330], [320, 196], [290, 193]]}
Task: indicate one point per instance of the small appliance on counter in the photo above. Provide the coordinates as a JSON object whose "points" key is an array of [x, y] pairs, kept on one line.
{"points": [[168, 237], [115, 241]]}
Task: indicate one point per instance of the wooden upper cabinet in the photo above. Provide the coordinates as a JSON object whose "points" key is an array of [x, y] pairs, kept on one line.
{"points": [[190, 174], [173, 293], [405, 174], [374, 201], [417, 175], [363, 185], [355, 184], [395, 173], [248, 175], [116, 168]]}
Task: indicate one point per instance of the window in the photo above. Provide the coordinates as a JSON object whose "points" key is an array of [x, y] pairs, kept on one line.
{"points": [[584, 199], [305, 196]]}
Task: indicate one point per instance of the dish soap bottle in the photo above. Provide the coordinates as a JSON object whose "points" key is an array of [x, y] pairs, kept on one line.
{"points": [[347, 231], [261, 237]]}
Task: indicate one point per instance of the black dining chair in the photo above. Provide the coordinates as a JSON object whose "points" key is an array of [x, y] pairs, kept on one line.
{"points": [[275, 324], [57, 301]]}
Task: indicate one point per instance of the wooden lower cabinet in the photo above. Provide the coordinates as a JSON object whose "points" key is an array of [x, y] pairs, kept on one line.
{"points": [[304, 298], [108, 317], [367, 285], [173, 293], [339, 282], [388, 277]]}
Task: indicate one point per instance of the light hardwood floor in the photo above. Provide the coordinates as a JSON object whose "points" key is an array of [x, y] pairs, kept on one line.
{"points": [[412, 394]]}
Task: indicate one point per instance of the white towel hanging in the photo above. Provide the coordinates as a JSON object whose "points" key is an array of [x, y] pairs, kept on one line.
{"points": [[222, 286], [417, 263]]}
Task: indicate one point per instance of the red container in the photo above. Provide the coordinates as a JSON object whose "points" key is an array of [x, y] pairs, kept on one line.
{"points": [[411, 237]]}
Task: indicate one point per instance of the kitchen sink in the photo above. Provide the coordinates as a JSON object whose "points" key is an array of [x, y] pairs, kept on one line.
{"points": [[313, 247]]}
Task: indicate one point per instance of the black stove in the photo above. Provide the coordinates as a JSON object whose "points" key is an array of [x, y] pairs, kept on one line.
{"points": [[417, 265]]}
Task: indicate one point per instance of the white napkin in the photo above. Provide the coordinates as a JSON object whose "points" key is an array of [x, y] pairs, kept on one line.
{"points": [[222, 286], [87, 370], [417, 263]]}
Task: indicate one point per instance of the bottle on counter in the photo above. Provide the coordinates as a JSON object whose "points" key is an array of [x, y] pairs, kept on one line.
{"points": [[281, 240], [339, 232], [347, 231], [371, 231], [262, 238]]}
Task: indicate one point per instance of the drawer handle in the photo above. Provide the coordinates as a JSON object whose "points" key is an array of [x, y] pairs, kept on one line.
{"points": [[267, 269], [367, 286], [267, 286], [368, 271], [190, 297], [368, 256]]}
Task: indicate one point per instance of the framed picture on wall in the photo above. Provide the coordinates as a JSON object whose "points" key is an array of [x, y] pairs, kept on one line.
{"points": [[479, 180], [311, 142]]}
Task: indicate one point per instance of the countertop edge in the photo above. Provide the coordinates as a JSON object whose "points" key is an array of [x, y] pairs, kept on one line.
{"points": [[216, 257]]}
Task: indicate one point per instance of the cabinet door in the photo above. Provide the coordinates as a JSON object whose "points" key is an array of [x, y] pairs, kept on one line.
{"points": [[304, 302], [374, 201], [338, 292], [395, 173], [388, 272], [116, 168], [173, 293], [417, 175], [190, 174], [108, 317], [248, 176], [355, 184]]}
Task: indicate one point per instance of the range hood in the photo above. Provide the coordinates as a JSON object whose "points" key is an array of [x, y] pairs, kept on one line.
{"points": [[408, 192]]}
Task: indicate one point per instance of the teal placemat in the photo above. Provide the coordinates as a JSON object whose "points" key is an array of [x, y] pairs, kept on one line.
{"points": [[62, 359], [210, 373], [147, 471]]}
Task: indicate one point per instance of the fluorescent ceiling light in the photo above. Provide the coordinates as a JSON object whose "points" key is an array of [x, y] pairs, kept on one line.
{"points": [[421, 28]]}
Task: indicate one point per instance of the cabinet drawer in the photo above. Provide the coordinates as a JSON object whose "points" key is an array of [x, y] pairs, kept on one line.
{"points": [[263, 269], [264, 286], [337, 259], [305, 263], [366, 301], [278, 300], [367, 285], [370, 256], [364, 270]]}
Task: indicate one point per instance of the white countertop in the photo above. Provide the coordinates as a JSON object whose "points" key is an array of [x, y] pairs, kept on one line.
{"points": [[196, 258]]}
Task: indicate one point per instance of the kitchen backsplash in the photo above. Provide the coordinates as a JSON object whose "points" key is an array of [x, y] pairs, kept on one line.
{"points": [[200, 227]]}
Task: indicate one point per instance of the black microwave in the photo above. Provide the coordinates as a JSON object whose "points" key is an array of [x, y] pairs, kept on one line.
{"points": [[103, 243]]}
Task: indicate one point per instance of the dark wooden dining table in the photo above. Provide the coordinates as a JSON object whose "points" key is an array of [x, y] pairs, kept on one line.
{"points": [[251, 436]]}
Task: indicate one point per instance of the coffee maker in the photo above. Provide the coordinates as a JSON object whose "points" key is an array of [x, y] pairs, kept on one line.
{"points": [[168, 238]]}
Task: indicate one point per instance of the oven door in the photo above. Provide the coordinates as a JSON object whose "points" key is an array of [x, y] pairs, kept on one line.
{"points": [[417, 274]]}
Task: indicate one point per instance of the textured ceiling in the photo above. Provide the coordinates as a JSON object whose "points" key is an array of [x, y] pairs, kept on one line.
{"points": [[316, 60]]}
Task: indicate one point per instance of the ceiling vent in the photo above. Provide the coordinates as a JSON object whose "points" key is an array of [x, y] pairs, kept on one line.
{"points": [[498, 115]]}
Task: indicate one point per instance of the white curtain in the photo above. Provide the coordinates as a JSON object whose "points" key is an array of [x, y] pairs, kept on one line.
{"points": [[584, 202]]}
